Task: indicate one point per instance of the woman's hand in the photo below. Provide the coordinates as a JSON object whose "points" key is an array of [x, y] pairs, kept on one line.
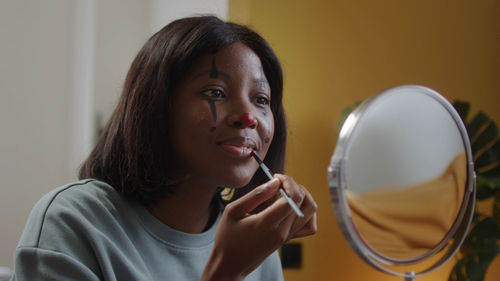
{"points": [[245, 239], [300, 226]]}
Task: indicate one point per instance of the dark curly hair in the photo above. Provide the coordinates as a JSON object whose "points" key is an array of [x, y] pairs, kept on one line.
{"points": [[133, 152]]}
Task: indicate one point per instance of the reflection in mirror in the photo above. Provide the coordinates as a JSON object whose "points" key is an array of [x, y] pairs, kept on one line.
{"points": [[405, 174], [407, 221], [400, 177]]}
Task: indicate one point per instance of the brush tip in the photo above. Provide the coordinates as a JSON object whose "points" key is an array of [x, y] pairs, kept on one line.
{"points": [[255, 156]]}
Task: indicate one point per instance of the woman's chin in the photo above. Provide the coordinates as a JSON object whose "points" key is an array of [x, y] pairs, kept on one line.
{"points": [[239, 177], [238, 182]]}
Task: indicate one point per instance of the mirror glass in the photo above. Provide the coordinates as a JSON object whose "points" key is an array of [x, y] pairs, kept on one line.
{"points": [[401, 177]]}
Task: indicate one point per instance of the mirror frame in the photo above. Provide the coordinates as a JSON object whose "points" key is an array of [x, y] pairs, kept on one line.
{"points": [[338, 186]]}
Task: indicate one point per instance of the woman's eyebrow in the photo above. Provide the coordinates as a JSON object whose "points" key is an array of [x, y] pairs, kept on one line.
{"points": [[262, 82], [210, 74]]}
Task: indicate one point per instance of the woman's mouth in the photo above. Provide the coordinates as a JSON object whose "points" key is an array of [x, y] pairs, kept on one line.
{"points": [[239, 147], [241, 151]]}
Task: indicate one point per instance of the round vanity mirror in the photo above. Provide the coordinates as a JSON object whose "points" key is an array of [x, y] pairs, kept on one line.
{"points": [[402, 181]]}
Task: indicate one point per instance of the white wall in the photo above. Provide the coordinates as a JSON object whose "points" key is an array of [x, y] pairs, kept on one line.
{"points": [[121, 35], [62, 63], [35, 51], [164, 11], [118, 39]]}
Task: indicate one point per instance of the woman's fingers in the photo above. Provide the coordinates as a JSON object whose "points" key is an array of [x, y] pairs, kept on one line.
{"points": [[292, 189], [244, 205], [308, 224], [307, 229], [280, 210], [244, 239], [279, 217]]}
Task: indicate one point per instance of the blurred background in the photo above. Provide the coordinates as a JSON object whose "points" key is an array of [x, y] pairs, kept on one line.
{"points": [[63, 64]]}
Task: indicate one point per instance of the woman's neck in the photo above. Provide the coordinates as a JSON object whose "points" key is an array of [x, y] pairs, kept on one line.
{"points": [[190, 209]]}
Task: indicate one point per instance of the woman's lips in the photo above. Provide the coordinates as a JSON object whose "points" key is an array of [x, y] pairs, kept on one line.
{"points": [[238, 146], [236, 150]]}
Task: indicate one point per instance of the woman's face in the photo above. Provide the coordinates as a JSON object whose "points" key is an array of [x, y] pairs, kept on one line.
{"points": [[220, 113]]}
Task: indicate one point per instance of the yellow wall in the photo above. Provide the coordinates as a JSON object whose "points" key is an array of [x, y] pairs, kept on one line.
{"points": [[340, 51]]}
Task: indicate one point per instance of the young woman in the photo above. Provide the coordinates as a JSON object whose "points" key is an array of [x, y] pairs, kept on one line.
{"points": [[199, 98]]}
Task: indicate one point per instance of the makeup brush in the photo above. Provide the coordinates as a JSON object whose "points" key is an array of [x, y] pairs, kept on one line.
{"points": [[282, 191]]}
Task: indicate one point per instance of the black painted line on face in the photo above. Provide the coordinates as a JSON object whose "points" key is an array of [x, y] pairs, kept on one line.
{"points": [[214, 73], [213, 109]]}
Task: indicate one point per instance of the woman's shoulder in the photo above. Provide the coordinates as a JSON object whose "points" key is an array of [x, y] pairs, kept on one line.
{"points": [[76, 226], [83, 195], [74, 207]]}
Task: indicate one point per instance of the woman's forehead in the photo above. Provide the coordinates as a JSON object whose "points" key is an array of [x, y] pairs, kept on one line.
{"points": [[232, 57]]}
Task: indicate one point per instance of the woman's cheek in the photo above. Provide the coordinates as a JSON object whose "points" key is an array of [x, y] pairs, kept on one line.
{"points": [[268, 124], [201, 119], [206, 117]]}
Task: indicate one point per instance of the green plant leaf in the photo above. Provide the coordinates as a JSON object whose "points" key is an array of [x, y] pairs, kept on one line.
{"points": [[493, 173], [486, 187], [489, 156], [462, 109], [458, 272], [486, 136], [477, 123], [480, 246], [496, 207], [473, 270], [345, 113], [474, 264], [485, 230], [343, 116]]}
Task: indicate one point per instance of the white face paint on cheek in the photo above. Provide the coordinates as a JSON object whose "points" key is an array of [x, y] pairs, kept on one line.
{"points": [[267, 123]]}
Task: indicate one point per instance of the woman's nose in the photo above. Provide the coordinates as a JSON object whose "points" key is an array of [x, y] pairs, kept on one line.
{"points": [[244, 120], [247, 119]]}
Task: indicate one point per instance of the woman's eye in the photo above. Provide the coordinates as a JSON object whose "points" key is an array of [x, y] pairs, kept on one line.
{"points": [[262, 100], [213, 93]]}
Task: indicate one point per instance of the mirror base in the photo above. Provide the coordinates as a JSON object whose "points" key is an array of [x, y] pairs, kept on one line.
{"points": [[410, 276]]}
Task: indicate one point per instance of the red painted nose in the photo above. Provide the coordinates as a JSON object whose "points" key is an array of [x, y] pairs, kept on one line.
{"points": [[247, 119]]}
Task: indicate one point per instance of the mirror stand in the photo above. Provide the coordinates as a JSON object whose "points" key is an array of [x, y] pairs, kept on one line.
{"points": [[402, 181], [410, 276]]}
